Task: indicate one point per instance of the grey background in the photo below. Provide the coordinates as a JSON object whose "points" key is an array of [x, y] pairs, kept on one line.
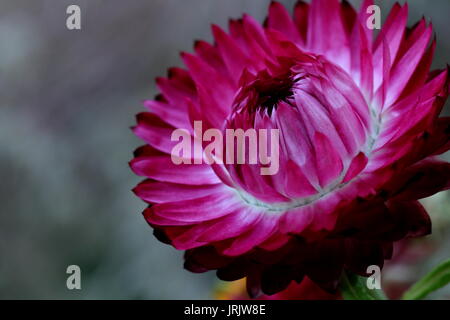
{"points": [[67, 100]]}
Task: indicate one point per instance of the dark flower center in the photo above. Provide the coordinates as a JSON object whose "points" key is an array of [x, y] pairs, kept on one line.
{"points": [[265, 92], [272, 91]]}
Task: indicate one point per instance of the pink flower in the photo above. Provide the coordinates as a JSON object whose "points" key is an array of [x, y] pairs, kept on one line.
{"points": [[359, 130]]}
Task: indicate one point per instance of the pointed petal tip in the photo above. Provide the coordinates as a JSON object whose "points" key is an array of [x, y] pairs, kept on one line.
{"points": [[187, 58], [274, 3], [197, 43], [216, 29], [183, 54], [302, 3], [172, 72]]}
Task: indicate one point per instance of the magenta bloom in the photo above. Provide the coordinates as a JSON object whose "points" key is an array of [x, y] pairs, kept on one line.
{"points": [[359, 129]]}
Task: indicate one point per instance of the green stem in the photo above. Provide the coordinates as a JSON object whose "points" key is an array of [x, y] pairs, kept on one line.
{"points": [[436, 279], [354, 287]]}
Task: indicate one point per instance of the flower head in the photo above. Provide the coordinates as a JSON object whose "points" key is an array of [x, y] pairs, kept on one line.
{"points": [[358, 129]]}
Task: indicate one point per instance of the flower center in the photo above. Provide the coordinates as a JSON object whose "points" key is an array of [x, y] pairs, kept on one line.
{"points": [[265, 92], [325, 129]]}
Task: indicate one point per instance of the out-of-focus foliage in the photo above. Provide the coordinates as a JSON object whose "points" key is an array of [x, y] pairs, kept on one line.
{"points": [[438, 278]]}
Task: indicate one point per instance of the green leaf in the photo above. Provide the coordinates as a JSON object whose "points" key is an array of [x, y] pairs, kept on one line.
{"points": [[436, 279], [354, 287]]}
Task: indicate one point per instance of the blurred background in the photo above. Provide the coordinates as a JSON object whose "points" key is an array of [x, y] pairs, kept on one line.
{"points": [[67, 100]]}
